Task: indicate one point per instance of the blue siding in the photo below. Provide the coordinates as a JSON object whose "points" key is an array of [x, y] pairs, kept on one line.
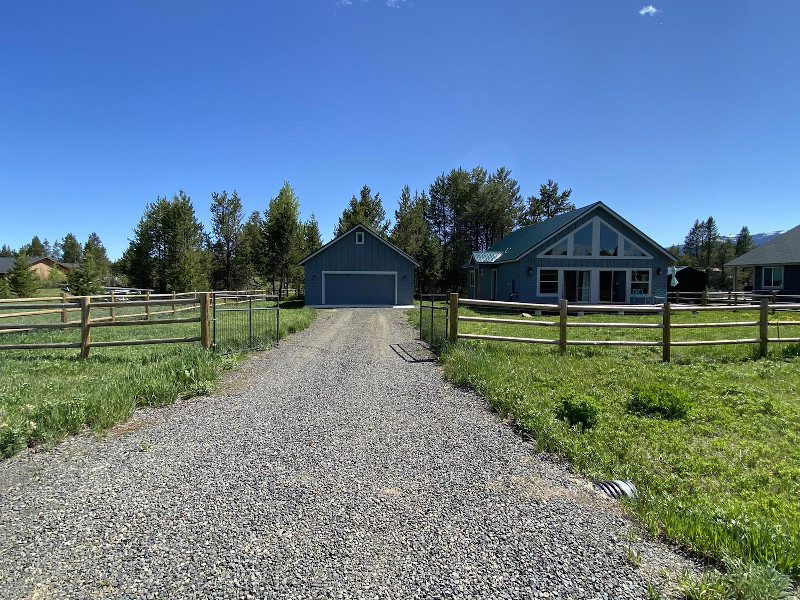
{"points": [[375, 256]]}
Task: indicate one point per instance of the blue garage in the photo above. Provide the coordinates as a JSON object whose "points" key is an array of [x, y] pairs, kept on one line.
{"points": [[359, 268]]}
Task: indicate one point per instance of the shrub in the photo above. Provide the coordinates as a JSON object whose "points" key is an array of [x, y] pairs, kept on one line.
{"points": [[578, 409], [659, 400]]}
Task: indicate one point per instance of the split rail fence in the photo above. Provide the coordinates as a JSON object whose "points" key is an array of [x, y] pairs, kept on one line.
{"points": [[768, 314]]}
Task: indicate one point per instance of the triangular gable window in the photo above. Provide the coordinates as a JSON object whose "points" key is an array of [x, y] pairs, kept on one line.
{"points": [[595, 239]]}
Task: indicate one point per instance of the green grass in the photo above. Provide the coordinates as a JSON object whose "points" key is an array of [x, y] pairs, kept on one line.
{"points": [[48, 394], [711, 440]]}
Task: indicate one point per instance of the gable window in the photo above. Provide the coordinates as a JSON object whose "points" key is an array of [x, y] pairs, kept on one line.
{"points": [[772, 277], [359, 237], [559, 249], [609, 241], [595, 239], [548, 282], [582, 241]]}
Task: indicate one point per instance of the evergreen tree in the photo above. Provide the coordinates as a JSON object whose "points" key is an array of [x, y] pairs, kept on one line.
{"points": [[21, 279], [281, 228], [710, 239], [6, 251], [412, 234], [5, 290], [71, 250], [549, 203], [35, 249], [693, 242], [167, 253], [227, 222], [95, 247], [744, 242], [250, 260], [85, 280], [47, 249], [366, 209]]}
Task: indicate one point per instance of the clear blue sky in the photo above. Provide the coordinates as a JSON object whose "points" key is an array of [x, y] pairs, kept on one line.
{"points": [[689, 109]]}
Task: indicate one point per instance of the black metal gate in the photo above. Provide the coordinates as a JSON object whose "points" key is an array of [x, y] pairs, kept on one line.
{"points": [[243, 321], [434, 322]]}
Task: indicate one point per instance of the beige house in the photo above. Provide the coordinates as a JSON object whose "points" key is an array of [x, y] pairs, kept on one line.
{"points": [[41, 265]]}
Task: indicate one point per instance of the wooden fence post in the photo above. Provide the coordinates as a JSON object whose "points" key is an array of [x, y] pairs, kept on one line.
{"points": [[665, 333], [147, 308], [562, 325], [453, 315], [205, 316], [174, 312], [86, 328], [704, 298], [64, 309], [763, 327], [113, 309]]}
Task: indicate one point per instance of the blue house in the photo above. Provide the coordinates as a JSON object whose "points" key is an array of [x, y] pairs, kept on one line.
{"points": [[359, 268], [590, 255], [776, 264]]}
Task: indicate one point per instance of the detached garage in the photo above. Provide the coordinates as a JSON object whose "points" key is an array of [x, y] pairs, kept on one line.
{"points": [[359, 268]]}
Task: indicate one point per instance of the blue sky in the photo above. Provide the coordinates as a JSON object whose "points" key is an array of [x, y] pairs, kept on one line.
{"points": [[669, 114]]}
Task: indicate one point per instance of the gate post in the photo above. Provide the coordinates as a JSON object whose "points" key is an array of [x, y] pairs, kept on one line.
{"points": [[763, 327], [562, 325], [666, 338], [86, 329], [205, 314], [453, 316]]}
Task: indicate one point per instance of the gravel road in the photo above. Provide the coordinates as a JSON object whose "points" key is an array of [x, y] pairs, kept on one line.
{"points": [[338, 465]]}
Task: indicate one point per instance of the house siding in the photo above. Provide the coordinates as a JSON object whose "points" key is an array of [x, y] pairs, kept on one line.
{"points": [[527, 285], [344, 255], [791, 280]]}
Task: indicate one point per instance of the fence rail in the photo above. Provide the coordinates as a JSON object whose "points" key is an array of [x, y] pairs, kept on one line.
{"points": [[562, 311], [110, 303]]}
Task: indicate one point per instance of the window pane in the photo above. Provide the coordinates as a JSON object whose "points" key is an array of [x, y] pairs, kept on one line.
{"points": [[548, 281], [559, 249], [577, 286], [582, 241], [640, 280], [609, 240], [777, 276], [632, 249]]}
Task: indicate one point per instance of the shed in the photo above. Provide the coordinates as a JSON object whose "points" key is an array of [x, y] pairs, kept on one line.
{"points": [[359, 268], [689, 280]]}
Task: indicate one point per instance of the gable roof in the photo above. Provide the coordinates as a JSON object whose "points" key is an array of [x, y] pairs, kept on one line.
{"points": [[7, 262], [781, 250], [520, 241], [369, 230]]}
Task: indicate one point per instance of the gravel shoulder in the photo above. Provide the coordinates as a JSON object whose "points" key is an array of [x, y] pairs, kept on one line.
{"points": [[339, 465]]}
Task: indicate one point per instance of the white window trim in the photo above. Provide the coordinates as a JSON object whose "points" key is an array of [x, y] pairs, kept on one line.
{"points": [[325, 273], [359, 237], [764, 286], [595, 223]]}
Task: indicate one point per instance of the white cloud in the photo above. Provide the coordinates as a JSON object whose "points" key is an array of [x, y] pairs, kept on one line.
{"points": [[649, 10]]}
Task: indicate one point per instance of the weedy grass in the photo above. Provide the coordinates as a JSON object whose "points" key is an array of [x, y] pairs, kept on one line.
{"points": [[48, 394], [711, 440]]}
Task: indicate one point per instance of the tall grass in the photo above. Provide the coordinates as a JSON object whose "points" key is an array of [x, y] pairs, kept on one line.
{"points": [[711, 440], [48, 394]]}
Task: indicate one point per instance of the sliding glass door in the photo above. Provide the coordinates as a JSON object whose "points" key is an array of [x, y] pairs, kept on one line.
{"points": [[578, 286]]}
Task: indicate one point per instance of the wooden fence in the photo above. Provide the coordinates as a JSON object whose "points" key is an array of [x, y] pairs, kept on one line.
{"points": [[153, 305], [563, 309], [729, 298]]}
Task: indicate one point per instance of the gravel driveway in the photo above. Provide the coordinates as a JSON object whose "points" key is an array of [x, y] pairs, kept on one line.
{"points": [[338, 465]]}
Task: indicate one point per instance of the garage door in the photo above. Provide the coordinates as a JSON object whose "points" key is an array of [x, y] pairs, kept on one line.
{"points": [[359, 288]]}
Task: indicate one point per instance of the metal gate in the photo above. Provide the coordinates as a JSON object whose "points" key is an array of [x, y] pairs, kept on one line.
{"points": [[434, 322], [243, 321]]}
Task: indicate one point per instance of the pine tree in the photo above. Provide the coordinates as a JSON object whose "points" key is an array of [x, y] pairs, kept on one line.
{"points": [[71, 250], [95, 247], [85, 280], [548, 204], [5, 290], [281, 228], [21, 279], [6, 251], [366, 209], [744, 242], [250, 260], [35, 249], [227, 221]]}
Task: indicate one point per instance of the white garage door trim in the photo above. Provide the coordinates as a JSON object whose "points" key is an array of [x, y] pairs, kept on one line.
{"points": [[394, 273]]}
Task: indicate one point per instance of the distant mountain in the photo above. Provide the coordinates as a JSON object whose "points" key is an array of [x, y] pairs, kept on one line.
{"points": [[758, 238]]}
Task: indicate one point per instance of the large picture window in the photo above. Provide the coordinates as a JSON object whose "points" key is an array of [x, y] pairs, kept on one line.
{"points": [[548, 282], [595, 239], [772, 277]]}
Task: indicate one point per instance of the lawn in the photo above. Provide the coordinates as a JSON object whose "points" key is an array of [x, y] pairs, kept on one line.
{"points": [[48, 394], [711, 440]]}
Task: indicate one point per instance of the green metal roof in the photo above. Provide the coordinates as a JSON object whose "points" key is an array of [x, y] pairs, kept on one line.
{"points": [[523, 239]]}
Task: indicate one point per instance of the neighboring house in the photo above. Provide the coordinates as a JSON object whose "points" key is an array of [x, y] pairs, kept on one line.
{"points": [[359, 268], [41, 265], [776, 264], [590, 255], [690, 280]]}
